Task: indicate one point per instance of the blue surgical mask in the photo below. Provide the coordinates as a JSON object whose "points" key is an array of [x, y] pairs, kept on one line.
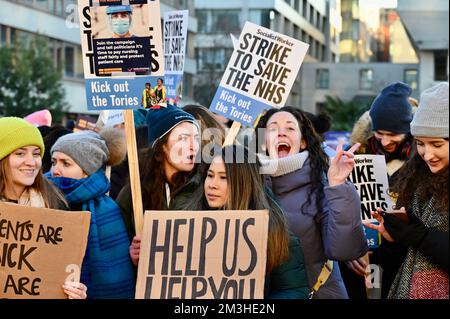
{"points": [[120, 26]]}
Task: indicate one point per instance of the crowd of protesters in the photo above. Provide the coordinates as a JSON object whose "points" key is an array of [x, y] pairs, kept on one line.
{"points": [[314, 210]]}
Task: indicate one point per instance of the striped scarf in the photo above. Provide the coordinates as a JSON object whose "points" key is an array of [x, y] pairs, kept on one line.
{"points": [[107, 270], [418, 277]]}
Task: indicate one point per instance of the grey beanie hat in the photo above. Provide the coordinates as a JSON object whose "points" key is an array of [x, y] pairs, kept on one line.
{"points": [[431, 117], [88, 149]]}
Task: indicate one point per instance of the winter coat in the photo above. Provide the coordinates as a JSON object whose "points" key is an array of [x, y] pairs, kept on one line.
{"points": [[107, 270], [424, 273], [334, 233], [124, 200], [289, 280]]}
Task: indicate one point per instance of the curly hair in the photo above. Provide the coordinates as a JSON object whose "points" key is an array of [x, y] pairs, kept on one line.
{"points": [[317, 156], [415, 177]]}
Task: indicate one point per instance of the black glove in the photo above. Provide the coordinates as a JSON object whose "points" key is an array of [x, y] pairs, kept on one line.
{"points": [[411, 234]]}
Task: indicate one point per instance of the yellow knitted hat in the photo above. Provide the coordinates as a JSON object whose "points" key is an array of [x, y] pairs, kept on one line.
{"points": [[16, 133]]}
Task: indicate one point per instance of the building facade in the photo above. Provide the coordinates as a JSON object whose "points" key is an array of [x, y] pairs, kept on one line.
{"points": [[360, 82], [427, 26], [313, 21]]}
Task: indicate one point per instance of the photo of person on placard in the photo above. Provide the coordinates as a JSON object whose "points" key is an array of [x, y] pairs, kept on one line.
{"points": [[119, 20]]}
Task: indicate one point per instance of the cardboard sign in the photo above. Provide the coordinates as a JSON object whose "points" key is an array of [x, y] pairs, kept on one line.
{"points": [[259, 75], [175, 38], [371, 181], [40, 249], [122, 51], [203, 255]]}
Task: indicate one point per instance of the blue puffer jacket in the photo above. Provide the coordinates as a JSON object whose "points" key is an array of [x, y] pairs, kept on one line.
{"points": [[334, 233]]}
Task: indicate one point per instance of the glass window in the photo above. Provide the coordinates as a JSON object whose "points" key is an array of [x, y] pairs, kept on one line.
{"points": [[366, 79], [202, 16], [225, 21], [322, 79], [213, 59], [305, 9], [2, 35], [69, 61], [311, 14], [79, 71], [260, 17], [411, 78], [441, 65]]}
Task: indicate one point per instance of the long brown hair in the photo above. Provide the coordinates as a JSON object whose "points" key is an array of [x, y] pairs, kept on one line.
{"points": [[317, 156], [153, 177], [246, 191], [53, 198], [415, 177]]}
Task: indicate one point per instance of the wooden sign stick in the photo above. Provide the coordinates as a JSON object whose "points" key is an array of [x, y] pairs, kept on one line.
{"points": [[231, 136], [133, 166]]}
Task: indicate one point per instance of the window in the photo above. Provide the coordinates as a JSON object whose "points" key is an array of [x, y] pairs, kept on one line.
{"points": [[260, 17], [411, 78], [440, 65], [226, 21], [219, 21], [322, 79], [69, 61], [213, 59], [2, 35], [311, 14], [305, 9], [318, 20], [297, 32], [366, 79], [297, 5]]}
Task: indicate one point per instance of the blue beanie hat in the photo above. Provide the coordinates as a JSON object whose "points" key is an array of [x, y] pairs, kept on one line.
{"points": [[391, 110], [161, 121]]}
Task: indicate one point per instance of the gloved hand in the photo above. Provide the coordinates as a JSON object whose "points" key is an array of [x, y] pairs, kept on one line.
{"points": [[410, 234]]}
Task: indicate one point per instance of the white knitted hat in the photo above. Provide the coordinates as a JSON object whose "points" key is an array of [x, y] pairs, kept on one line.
{"points": [[431, 117]]}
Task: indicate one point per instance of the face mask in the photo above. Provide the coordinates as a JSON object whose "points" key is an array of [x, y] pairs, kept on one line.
{"points": [[120, 26]]}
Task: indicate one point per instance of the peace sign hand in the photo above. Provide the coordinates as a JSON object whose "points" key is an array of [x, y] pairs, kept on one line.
{"points": [[342, 164]]}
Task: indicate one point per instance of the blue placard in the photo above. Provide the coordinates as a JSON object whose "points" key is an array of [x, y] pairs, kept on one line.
{"points": [[110, 94], [372, 236], [237, 107]]}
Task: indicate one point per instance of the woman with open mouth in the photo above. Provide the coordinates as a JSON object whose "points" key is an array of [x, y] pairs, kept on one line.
{"points": [[321, 206], [168, 166]]}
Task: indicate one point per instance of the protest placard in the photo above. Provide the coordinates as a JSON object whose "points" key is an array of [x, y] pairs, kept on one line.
{"points": [[175, 38], [203, 255], [40, 249], [370, 179], [85, 122], [259, 75], [122, 51]]}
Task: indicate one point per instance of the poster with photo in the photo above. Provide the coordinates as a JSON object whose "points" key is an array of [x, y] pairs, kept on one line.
{"points": [[122, 51], [175, 37]]}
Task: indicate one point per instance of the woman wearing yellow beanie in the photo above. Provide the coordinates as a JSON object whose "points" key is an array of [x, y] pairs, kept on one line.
{"points": [[21, 178]]}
